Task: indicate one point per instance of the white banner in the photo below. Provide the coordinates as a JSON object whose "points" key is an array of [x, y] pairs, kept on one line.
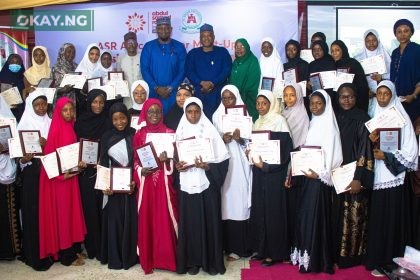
{"points": [[252, 20]]}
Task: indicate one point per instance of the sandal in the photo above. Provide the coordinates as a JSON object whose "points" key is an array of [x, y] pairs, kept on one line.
{"points": [[82, 256], [232, 257], [78, 262]]}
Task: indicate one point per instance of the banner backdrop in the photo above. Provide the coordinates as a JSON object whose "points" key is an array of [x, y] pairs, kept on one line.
{"points": [[13, 41], [252, 20]]}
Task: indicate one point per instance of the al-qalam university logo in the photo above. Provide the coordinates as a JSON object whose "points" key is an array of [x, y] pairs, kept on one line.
{"points": [[191, 21], [135, 22]]}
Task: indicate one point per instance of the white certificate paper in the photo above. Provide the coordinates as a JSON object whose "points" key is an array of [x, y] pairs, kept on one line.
{"points": [[342, 176], [232, 122], [12, 96], [260, 135], [342, 78], [69, 156], [70, 79], [50, 165], [109, 90], [162, 142], [190, 149], [307, 159], [120, 179], [90, 151], [48, 92], [147, 157], [15, 149], [269, 151], [374, 64], [306, 55], [103, 178], [390, 118], [289, 76], [328, 79], [120, 87], [12, 123]]}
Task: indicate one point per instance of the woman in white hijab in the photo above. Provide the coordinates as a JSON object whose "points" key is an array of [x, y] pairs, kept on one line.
{"points": [[200, 235], [236, 191], [388, 221], [90, 64], [295, 114], [373, 47], [34, 117], [312, 250], [269, 234], [139, 94], [271, 66], [9, 204]]}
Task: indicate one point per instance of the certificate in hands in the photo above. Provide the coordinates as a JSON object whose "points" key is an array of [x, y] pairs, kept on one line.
{"points": [[290, 76], [389, 139], [328, 79], [50, 165], [190, 149], [15, 149], [342, 176], [374, 64], [307, 159], [103, 178], [94, 83], [5, 135], [267, 83], [121, 179], [269, 151], [120, 87], [68, 157], [316, 82], [73, 79], [390, 118], [232, 122], [12, 96], [29, 140], [162, 142], [261, 135], [147, 156], [12, 123], [115, 75], [89, 151], [342, 78]]}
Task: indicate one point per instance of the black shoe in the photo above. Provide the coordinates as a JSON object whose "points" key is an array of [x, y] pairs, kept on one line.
{"points": [[193, 270], [212, 272], [267, 263], [256, 258]]}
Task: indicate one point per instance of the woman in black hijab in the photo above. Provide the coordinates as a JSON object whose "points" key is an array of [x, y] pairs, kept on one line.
{"points": [[172, 118], [91, 125], [12, 74], [345, 63]]}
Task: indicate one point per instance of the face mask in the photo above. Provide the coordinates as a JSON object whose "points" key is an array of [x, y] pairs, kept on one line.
{"points": [[14, 68]]}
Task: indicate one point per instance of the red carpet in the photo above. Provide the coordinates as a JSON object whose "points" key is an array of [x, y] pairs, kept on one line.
{"points": [[287, 271]]}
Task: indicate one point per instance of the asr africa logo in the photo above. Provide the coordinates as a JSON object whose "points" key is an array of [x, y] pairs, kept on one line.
{"points": [[135, 22]]}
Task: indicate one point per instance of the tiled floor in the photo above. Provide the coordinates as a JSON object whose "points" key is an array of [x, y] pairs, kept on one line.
{"points": [[93, 270]]}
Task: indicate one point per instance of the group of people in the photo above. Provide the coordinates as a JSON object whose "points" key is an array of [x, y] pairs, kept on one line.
{"points": [[183, 217]]}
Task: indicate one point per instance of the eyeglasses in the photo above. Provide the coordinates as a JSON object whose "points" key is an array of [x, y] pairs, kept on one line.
{"points": [[154, 112]]}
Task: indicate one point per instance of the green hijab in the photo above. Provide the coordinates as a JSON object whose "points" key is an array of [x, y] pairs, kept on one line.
{"points": [[246, 75]]}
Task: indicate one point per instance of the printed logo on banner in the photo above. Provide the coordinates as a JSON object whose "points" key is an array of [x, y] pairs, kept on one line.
{"points": [[53, 20], [135, 22], [191, 21], [156, 15]]}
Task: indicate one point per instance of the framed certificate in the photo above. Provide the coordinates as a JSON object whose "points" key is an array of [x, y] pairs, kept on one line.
{"points": [[116, 75], [5, 135], [68, 158], [89, 151], [261, 135], [267, 83], [290, 76], [120, 179], [269, 151], [389, 139], [94, 83], [190, 149], [316, 81], [147, 156], [307, 159], [236, 110], [46, 83], [29, 140], [162, 142], [12, 123], [232, 122]]}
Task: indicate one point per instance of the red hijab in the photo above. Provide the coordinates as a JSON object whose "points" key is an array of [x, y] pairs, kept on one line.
{"points": [[61, 131]]}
